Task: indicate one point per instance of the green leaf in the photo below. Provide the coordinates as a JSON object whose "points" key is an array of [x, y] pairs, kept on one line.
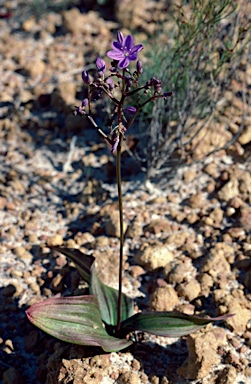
{"points": [[75, 320], [108, 300], [82, 261], [170, 324]]}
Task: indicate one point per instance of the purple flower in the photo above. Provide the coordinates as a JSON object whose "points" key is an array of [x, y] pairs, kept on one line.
{"points": [[100, 64], [86, 78], [124, 50], [130, 110]]}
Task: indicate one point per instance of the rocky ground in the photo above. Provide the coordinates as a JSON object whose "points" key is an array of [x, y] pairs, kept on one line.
{"points": [[188, 240]]}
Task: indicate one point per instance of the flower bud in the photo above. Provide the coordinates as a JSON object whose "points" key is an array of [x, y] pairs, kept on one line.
{"points": [[130, 110], [110, 83], [86, 78], [84, 103], [139, 67], [100, 64], [167, 94]]}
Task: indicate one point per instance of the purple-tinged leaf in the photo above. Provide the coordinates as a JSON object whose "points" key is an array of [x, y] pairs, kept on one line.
{"points": [[170, 324], [108, 300], [82, 261], [75, 320]]}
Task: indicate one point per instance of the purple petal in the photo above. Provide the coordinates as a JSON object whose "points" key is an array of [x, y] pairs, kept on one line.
{"points": [[115, 55], [120, 37], [133, 57], [117, 46], [84, 103], [115, 145], [137, 48], [128, 42], [124, 62]]}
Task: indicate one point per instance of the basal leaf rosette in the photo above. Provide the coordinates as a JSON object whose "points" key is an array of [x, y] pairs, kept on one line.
{"points": [[75, 320], [169, 324], [107, 296], [108, 300]]}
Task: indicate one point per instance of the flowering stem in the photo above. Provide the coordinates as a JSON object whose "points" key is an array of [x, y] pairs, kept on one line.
{"points": [[99, 130], [118, 177]]}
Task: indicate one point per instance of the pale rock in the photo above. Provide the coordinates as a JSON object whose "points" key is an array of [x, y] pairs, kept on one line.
{"points": [[245, 218], [134, 14], [216, 263], [229, 190], [29, 24], [245, 183], [57, 282], [245, 136], [157, 226], [164, 299], [242, 314], [227, 376], [197, 200], [247, 372], [54, 240], [202, 357], [192, 218], [32, 238], [180, 271], [189, 290], [3, 202], [211, 169], [70, 243], [136, 271], [26, 257], [35, 67], [134, 229], [206, 283], [154, 256], [73, 21], [26, 96], [189, 175], [177, 238], [83, 238], [101, 242], [129, 377], [19, 251], [215, 217]]}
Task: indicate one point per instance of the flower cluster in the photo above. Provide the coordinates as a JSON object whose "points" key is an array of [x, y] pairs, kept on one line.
{"points": [[121, 78]]}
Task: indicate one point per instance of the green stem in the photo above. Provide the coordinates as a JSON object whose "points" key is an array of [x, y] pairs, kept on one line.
{"points": [[118, 176]]}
